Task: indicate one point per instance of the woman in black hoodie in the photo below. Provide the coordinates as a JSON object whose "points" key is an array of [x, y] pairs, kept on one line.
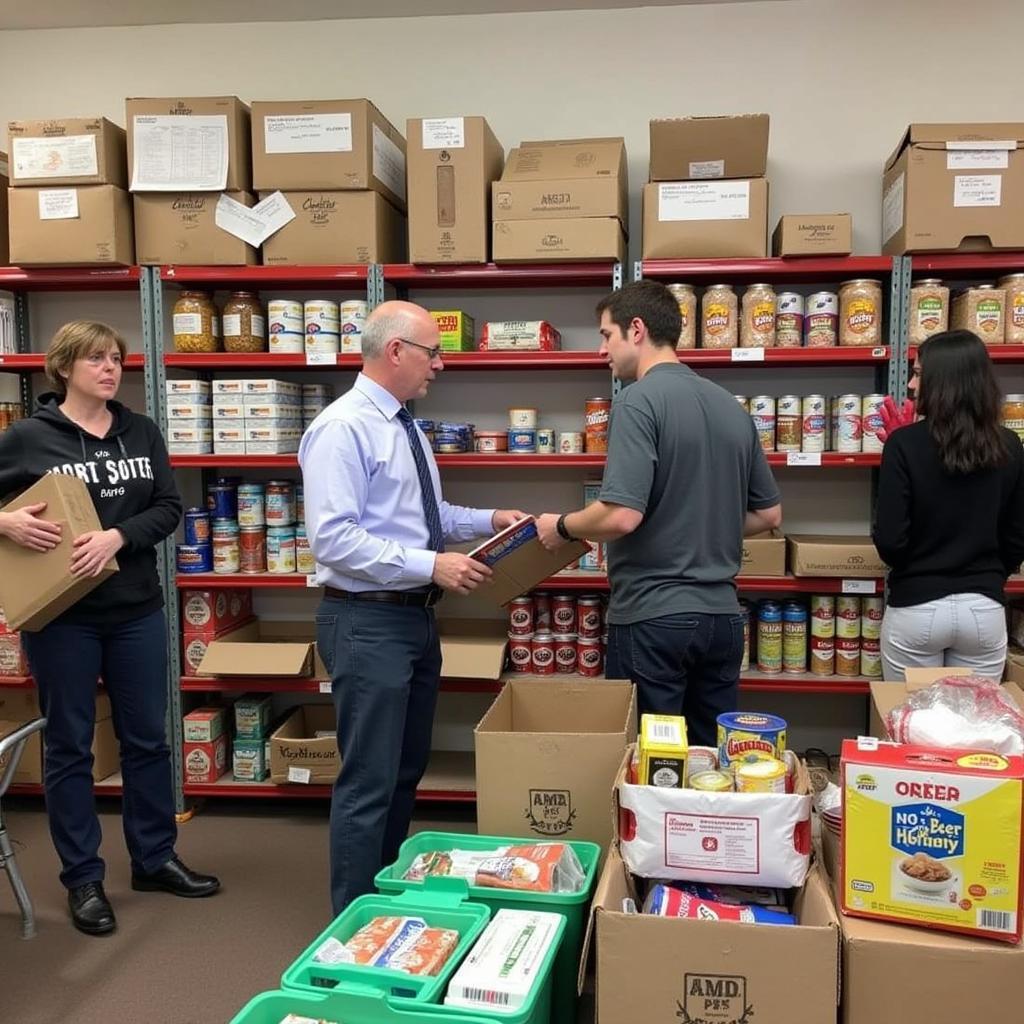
{"points": [[115, 632]]}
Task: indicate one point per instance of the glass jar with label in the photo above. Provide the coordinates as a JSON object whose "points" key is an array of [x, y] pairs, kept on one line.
{"points": [[757, 327], [981, 309], [245, 327], [719, 309], [687, 302], [929, 309], [1013, 285], [193, 321], [1013, 414], [860, 312]]}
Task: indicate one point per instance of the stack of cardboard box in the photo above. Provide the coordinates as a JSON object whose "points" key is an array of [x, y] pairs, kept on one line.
{"points": [[341, 167], [184, 153], [708, 196], [5, 252], [453, 162], [562, 201], [68, 204]]}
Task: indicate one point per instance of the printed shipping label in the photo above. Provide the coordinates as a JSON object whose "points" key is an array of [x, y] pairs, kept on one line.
{"points": [[712, 843], [301, 775], [707, 169], [307, 133], [58, 204], [977, 189], [180, 153], [444, 133], [977, 160], [704, 200], [64, 156]]}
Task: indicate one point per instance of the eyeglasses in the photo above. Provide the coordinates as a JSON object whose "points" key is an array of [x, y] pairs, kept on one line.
{"points": [[434, 353]]}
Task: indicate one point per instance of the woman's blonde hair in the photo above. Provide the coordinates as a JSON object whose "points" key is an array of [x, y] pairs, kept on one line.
{"points": [[77, 340]]}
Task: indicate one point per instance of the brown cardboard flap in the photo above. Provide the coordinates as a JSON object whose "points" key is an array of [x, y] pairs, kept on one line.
{"points": [[935, 136], [566, 158], [734, 146], [841, 555], [472, 648], [262, 648], [561, 706]]}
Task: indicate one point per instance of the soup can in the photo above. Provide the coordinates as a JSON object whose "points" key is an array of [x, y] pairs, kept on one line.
{"points": [[520, 652], [589, 656], [823, 655], [823, 616], [871, 422], [304, 560], [563, 613], [522, 419], [769, 637], [252, 549], [320, 315], [788, 424], [762, 411], [871, 659], [192, 558], [279, 509], [747, 736], [789, 320], [812, 434], [286, 343], [226, 556], [522, 441], [851, 424], [285, 316], [251, 506], [222, 500], [821, 320], [542, 654], [588, 616], [847, 657], [596, 418], [794, 637], [768, 776], [570, 442], [545, 441], [280, 549], [847, 617], [521, 616], [197, 526], [565, 653], [745, 612], [351, 318], [872, 609]]}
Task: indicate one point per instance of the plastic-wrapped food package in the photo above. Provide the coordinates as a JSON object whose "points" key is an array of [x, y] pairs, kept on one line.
{"points": [[668, 901], [539, 867], [960, 712], [400, 943]]}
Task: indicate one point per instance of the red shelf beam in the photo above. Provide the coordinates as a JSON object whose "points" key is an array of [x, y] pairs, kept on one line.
{"points": [[832, 460], [488, 275], [997, 353], [805, 270], [17, 683], [276, 684], [343, 276], [840, 355], [271, 791], [69, 278], [36, 362], [968, 264]]}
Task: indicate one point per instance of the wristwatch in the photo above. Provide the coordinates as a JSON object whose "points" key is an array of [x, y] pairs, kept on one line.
{"points": [[561, 528]]}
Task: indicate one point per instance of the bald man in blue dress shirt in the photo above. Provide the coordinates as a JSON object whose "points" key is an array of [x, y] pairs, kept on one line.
{"points": [[377, 526]]}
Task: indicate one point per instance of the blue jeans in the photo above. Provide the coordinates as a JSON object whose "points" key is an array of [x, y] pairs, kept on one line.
{"points": [[385, 666], [131, 657], [685, 664]]}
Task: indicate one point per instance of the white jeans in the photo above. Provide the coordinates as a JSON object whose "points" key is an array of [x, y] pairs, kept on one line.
{"points": [[962, 629]]}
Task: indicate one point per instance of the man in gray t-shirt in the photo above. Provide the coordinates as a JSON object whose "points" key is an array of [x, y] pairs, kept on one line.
{"points": [[685, 480]]}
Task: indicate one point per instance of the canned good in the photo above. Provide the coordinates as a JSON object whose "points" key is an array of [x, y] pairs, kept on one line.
{"points": [[522, 419], [542, 611], [570, 442], [851, 429], [490, 441], [823, 616], [285, 316], [520, 616], [872, 609], [225, 546], [767, 776], [762, 411], [280, 549], [769, 637], [701, 759], [222, 500], [251, 506], [565, 653], [279, 508], [812, 435], [744, 402], [545, 441], [542, 654], [745, 612], [589, 656], [522, 442], [871, 659], [847, 617], [300, 503], [352, 316], [197, 526], [746, 736], [449, 442], [847, 657], [597, 415], [871, 422], [252, 549], [712, 782], [821, 320], [789, 320], [287, 343], [520, 652], [322, 342], [320, 315], [788, 424], [588, 616], [563, 613], [304, 560], [823, 655], [794, 637], [194, 558]]}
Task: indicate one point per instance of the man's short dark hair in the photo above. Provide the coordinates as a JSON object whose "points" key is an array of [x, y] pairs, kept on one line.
{"points": [[649, 301]]}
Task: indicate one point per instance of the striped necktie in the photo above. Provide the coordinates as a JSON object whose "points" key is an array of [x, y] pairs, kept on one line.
{"points": [[430, 511]]}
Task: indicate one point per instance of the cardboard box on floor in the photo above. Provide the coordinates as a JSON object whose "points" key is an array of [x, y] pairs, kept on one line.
{"points": [[690, 148], [296, 753], [231, 108], [181, 227], [68, 151], [713, 972], [953, 187], [87, 226], [36, 586], [337, 227], [573, 240], [764, 554], [705, 219], [452, 162], [850, 557], [546, 756], [813, 234], [327, 144]]}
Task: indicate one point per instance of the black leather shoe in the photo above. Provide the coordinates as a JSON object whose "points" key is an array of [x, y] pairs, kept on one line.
{"points": [[175, 878], [91, 910]]}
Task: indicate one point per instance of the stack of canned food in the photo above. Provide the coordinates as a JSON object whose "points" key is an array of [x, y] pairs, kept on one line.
{"points": [[816, 423], [557, 634], [995, 312], [769, 319], [317, 326], [837, 635], [247, 527], [10, 412]]}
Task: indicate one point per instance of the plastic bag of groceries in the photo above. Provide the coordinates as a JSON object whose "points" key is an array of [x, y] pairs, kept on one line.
{"points": [[533, 867], [959, 712]]}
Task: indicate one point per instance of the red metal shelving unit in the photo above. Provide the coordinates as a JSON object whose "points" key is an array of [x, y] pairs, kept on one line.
{"points": [[964, 265], [343, 276], [840, 355], [831, 460], [17, 683], [42, 279], [489, 275], [997, 353], [35, 362], [775, 269], [275, 684]]}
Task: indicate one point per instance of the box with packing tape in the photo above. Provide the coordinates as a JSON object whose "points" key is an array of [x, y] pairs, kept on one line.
{"points": [[764, 554], [67, 151], [825, 555], [692, 148], [813, 234]]}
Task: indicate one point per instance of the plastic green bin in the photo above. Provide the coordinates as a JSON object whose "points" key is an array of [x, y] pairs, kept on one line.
{"points": [[340, 1007], [573, 906], [442, 905]]}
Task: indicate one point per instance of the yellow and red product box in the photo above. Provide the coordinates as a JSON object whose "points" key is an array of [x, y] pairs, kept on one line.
{"points": [[212, 611], [932, 837], [456, 328], [206, 762]]}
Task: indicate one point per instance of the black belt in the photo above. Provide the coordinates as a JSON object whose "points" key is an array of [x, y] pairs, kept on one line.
{"points": [[417, 598]]}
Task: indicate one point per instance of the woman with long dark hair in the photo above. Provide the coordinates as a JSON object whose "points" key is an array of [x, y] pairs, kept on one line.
{"points": [[950, 515]]}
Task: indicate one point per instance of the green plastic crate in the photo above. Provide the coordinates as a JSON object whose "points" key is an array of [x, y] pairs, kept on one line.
{"points": [[572, 906], [341, 1007], [440, 905]]}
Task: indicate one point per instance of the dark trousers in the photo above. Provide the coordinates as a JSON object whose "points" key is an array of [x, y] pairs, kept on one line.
{"points": [[131, 657], [385, 666], [686, 664]]}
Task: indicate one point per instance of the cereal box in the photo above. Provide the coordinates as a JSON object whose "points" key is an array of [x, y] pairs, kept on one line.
{"points": [[933, 837], [662, 747], [457, 330]]}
